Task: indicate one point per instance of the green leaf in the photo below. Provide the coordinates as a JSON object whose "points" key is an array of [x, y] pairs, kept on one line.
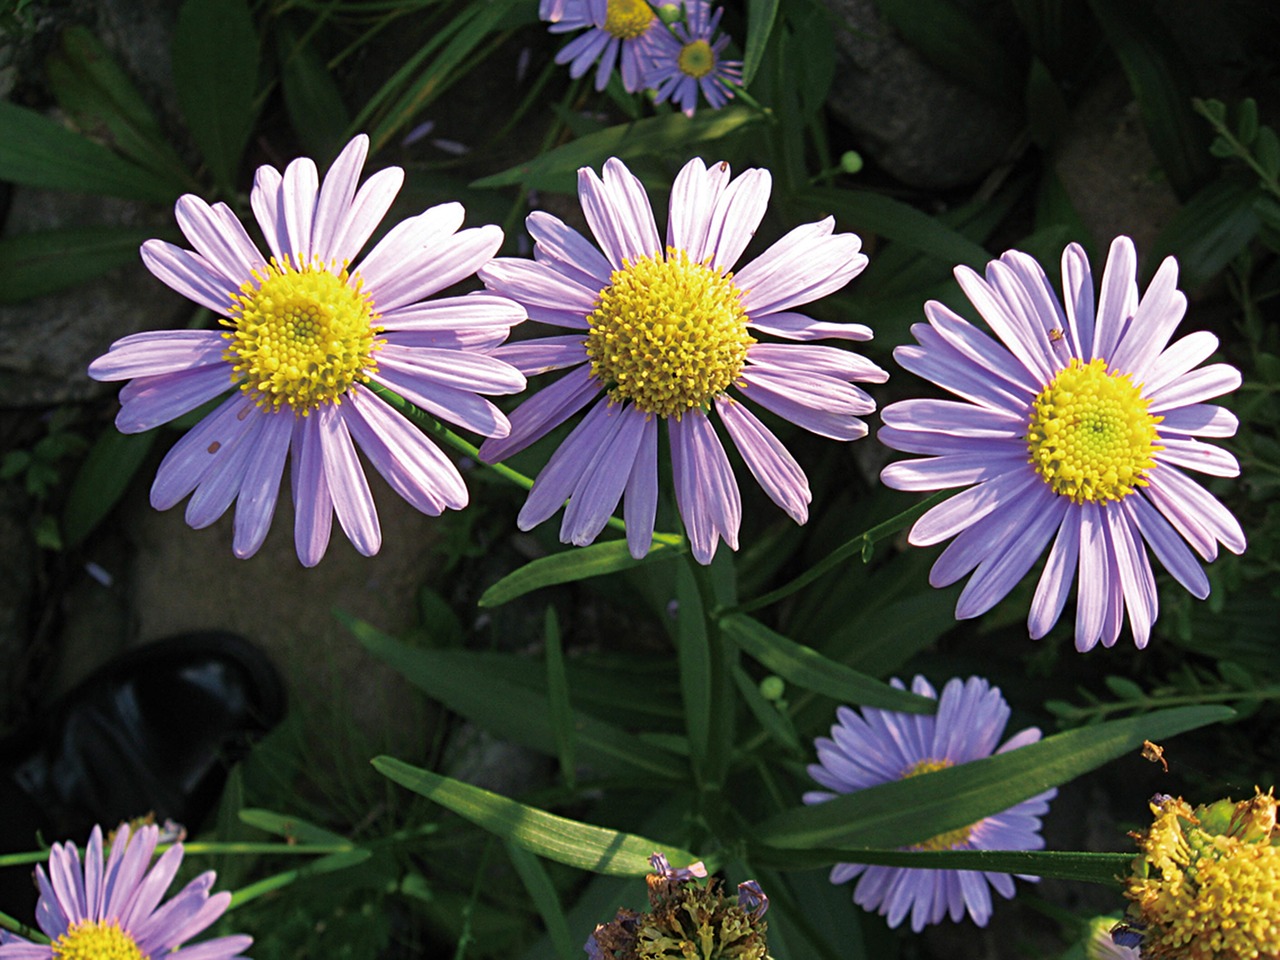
{"points": [[572, 565], [566, 841], [807, 668], [543, 894], [1124, 688], [1247, 121], [459, 680], [653, 136], [562, 722], [695, 665], [760, 17], [311, 95], [1059, 864], [34, 264], [903, 812], [1210, 230], [290, 827], [1268, 152], [773, 721], [215, 78], [102, 479], [37, 152]]}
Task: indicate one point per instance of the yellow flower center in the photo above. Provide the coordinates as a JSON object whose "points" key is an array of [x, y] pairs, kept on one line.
{"points": [[627, 19], [668, 335], [696, 59], [300, 336], [1090, 436], [943, 841], [96, 940]]}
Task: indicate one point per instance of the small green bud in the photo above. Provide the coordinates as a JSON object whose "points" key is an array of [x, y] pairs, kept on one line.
{"points": [[851, 161], [772, 687]]}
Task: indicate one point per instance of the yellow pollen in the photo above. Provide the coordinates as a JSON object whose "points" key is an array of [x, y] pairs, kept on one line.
{"points": [[96, 940], [1090, 435], [627, 19], [696, 59], [301, 336], [943, 841], [668, 335]]}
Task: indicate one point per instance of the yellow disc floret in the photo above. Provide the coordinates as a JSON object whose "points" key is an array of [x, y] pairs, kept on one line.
{"points": [[96, 940], [696, 59], [627, 19], [943, 841], [300, 336], [1090, 436], [668, 334]]}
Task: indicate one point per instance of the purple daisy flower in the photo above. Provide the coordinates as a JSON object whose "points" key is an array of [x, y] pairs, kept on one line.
{"points": [[113, 909], [878, 746], [615, 29], [305, 334], [660, 333], [689, 57], [1076, 427]]}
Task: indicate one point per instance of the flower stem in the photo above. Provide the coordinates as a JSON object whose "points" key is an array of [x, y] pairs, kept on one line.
{"points": [[21, 929]]}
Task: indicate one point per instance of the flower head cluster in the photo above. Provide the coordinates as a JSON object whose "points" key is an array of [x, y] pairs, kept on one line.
{"points": [[1073, 427], [879, 746], [1206, 885], [112, 910], [305, 336], [686, 919], [666, 333]]}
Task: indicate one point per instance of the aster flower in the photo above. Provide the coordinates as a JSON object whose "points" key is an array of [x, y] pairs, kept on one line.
{"points": [[305, 334], [1076, 427], [615, 30], [113, 910], [661, 333], [689, 57], [878, 746]]}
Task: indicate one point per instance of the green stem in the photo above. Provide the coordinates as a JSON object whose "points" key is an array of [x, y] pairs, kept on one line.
{"points": [[720, 684], [21, 929], [862, 544]]}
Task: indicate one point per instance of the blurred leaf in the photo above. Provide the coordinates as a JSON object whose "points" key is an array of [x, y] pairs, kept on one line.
{"points": [[557, 169], [311, 96], [576, 564], [760, 17], [34, 264], [1209, 231], [807, 668], [290, 827], [545, 898], [695, 665], [37, 152], [215, 78], [562, 721], [903, 812], [570, 842], [1268, 153], [102, 479], [1047, 112], [1247, 121], [1101, 868], [1123, 688], [772, 720]]}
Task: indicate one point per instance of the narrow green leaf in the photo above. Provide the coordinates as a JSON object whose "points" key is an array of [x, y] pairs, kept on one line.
{"points": [[289, 827], [34, 264], [215, 78], [459, 680], [102, 479], [695, 665], [311, 95], [562, 724], [807, 668], [653, 136], [576, 564], [543, 894], [772, 720], [1123, 687], [1247, 121], [903, 812], [1210, 230], [760, 17], [566, 841], [37, 152], [1268, 152]]}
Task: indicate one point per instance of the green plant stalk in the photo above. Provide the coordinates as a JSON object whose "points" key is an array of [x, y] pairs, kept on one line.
{"points": [[1270, 183], [720, 733], [21, 929], [1179, 700]]}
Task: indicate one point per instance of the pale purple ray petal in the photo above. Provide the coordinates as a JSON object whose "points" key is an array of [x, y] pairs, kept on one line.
{"points": [[1136, 579], [618, 211], [352, 501], [298, 207], [547, 295], [810, 406], [1170, 549], [806, 359], [264, 198], [399, 250], [221, 483], [413, 466], [1199, 420], [50, 915], [129, 861], [1009, 325], [958, 513], [67, 880], [796, 326], [805, 267], [19, 950], [1114, 619], [189, 912], [532, 357], [336, 194], [706, 492], [607, 60], [1198, 456], [999, 573], [598, 490], [987, 537], [942, 473], [939, 443], [1203, 384], [431, 269], [1118, 298], [581, 52], [558, 478], [640, 503], [1094, 586], [220, 948], [150, 401], [206, 444], [147, 894], [1034, 295], [259, 490], [159, 352], [545, 410], [461, 407], [312, 503], [190, 274], [955, 342], [1058, 576], [736, 217], [954, 418], [447, 314], [693, 196], [569, 250], [1178, 359], [371, 204], [218, 236], [1159, 313], [478, 339], [773, 466], [1077, 283], [459, 369], [1189, 507]]}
